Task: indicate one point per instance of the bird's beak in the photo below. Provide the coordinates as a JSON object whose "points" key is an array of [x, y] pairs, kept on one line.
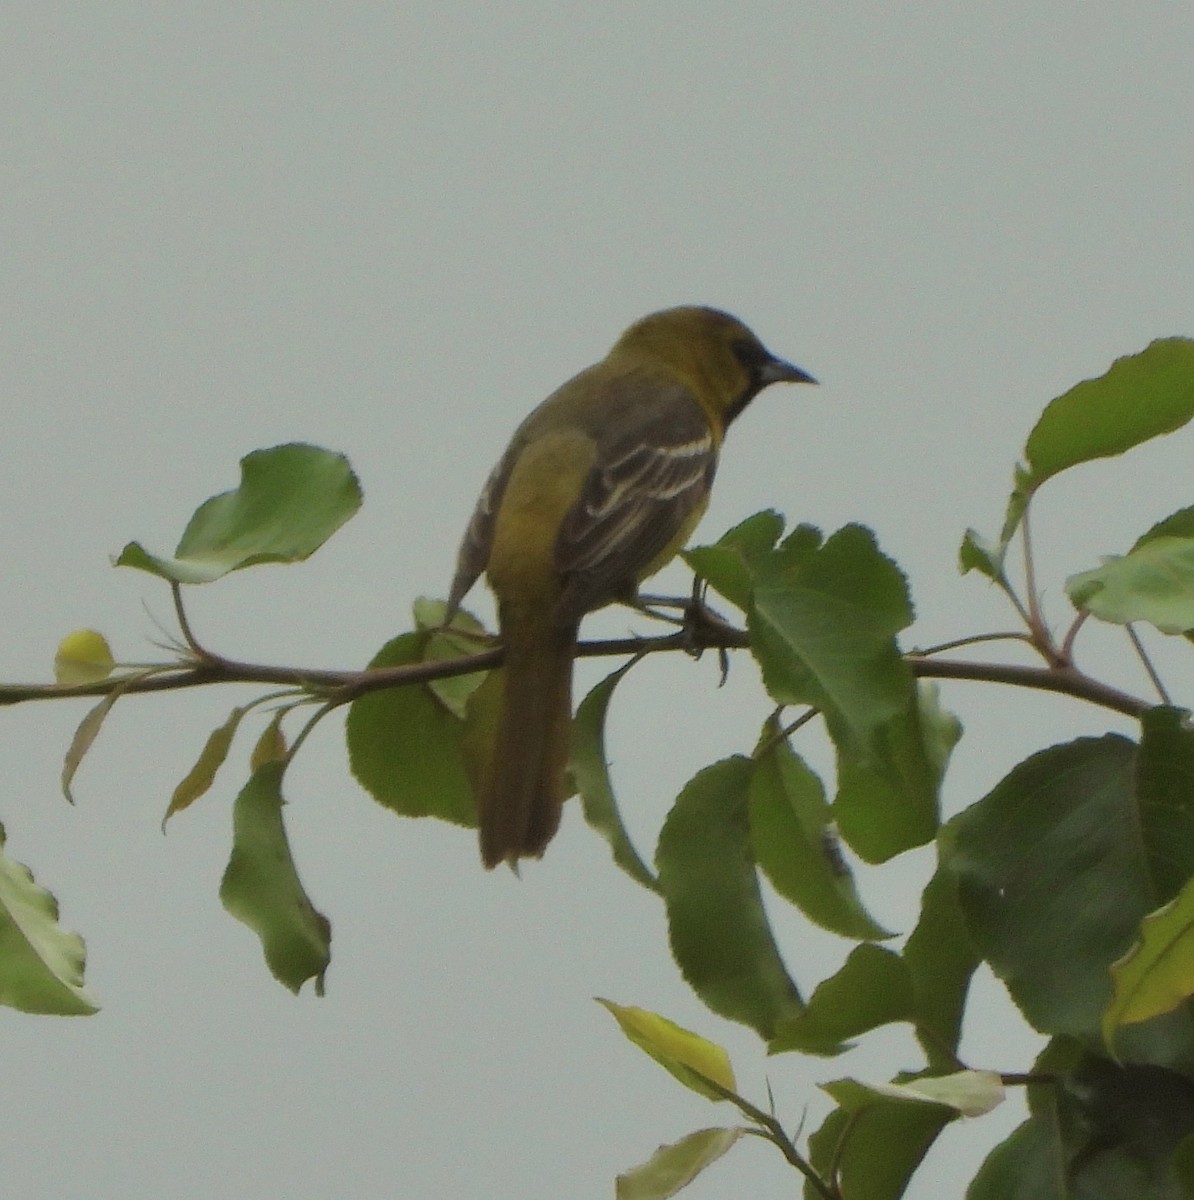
{"points": [[779, 371]]}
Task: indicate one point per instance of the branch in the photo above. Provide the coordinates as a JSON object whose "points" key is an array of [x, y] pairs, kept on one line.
{"points": [[341, 687]]}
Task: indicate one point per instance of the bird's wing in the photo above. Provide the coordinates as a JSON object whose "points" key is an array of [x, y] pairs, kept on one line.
{"points": [[473, 554], [651, 476]]}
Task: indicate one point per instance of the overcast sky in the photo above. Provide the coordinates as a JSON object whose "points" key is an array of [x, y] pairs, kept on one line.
{"points": [[390, 230]]}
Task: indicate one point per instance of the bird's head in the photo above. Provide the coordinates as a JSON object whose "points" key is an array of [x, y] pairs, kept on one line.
{"points": [[714, 353]]}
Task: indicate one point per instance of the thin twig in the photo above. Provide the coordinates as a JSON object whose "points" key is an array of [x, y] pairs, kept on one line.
{"points": [[1067, 646], [977, 639], [774, 1133], [184, 623], [1148, 666]]}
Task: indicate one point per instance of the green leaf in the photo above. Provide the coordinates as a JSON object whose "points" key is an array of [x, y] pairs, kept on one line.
{"points": [[271, 745], [672, 1168], [941, 960], [1183, 1166], [717, 925], [723, 565], [202, 775], [970, 1093], [261, 886], [464, 636], [792, 832], [41, 965], [1154, 583], [1179, 525], [877, 1145], [1028, 1165], [405, 747], [873, 988], [291, 499], [88, 730], [1165, 795], [590, 774], [978, 554], [824, 632], [1157, 973], [1054, 880], [1142, 396], [693, 1060]]}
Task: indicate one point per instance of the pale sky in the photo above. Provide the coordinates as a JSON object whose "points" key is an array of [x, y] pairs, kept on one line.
{"points": [[391, 230]]}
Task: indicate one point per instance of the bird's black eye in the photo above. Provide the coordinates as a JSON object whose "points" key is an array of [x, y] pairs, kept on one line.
{"points": [[751, 354]]}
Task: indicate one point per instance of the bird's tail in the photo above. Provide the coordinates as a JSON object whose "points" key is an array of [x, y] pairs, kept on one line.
{"points": [[522, 787]]}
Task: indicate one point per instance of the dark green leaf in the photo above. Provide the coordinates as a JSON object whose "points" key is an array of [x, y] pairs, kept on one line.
{"points": [[873, 988], [291, 499], [717, 925], [795, 843], [941, 961], [1054, 882], [1142, 396], [878, 1148], [405, 747], [824, 631], [590, 774], [261, 886]]}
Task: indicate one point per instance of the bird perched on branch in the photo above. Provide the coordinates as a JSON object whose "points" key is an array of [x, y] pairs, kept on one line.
{"points": [[600, 486]]}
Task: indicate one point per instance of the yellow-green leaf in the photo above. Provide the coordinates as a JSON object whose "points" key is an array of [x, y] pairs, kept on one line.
{"points": [[1157, 973], [692, 1059], [672, 1168], [271, 745], [82, 657], [211, 758]]}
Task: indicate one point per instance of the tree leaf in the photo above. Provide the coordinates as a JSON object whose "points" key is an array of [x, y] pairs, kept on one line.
{"points": [[876, 1146], [405, 747], [970, 1093], [672, 1168], [1157, 973], [1142, 396], [941, 960], [717, 925], [261, 886], [1054, 879], [41, 965], [723, 565], [823, 627], [792, 832], [464, 636], [590, 774], [271, 745], [291, 499], [211, 758], [692, 1059], [873, 988], [82, 657], [1153, 582], [88, 730], [976, 553]]}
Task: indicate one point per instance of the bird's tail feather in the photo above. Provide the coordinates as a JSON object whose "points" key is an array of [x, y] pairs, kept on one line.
{"points": [[523, 784]]}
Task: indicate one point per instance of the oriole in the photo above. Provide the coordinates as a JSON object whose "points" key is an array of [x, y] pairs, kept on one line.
{"points": [[600, 486]]}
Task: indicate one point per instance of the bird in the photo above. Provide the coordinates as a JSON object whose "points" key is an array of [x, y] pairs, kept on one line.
{"points": [[599, 487]]}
